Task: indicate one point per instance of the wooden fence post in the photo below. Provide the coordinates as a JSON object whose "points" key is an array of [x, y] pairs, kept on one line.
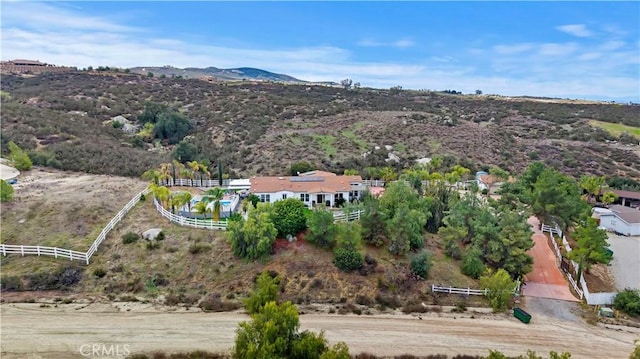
{"points": [[55, 252], [22, 250]]}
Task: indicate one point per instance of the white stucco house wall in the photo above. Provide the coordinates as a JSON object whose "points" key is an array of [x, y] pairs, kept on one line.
{"points": [[621, 219], [312, 188]]}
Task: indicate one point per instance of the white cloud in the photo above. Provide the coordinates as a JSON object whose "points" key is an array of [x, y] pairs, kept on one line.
{"points": [[400, 43], [536, 69], [557, 50], [578, 30], [512, 49]]}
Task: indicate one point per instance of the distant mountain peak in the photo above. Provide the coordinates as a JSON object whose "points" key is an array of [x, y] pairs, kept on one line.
{"points": [[240, 73]]}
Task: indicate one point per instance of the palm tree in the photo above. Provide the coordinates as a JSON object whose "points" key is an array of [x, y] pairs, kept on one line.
{"points": [[194, 166], [183, 198], [165, 172], [161, 193], [201, 208], [214, 195], [152, 175], [205, 171], [609, 197], [176, 169], [593, 186]]}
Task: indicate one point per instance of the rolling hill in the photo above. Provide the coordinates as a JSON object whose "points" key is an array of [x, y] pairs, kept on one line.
{"points": [[263, 127]]}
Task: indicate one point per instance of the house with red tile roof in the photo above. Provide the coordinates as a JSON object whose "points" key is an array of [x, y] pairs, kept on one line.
{"points": [[312, 188]]}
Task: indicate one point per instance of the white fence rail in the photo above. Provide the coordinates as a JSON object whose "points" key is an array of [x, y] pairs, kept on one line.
{"points": [[188, 182], [605, 298], [453, 290], [71, 254], [342, 217], [189, 222], [43, 251]]}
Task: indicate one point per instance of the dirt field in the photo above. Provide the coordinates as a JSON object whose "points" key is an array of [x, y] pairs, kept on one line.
{"points": [[34, 332], [63, 209]]}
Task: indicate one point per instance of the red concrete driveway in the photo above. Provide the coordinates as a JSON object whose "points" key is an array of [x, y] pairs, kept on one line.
{"points": [[545, 280]]}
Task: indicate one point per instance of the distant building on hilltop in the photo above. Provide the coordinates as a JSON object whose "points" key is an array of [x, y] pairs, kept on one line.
{"points": [[30, 67]]}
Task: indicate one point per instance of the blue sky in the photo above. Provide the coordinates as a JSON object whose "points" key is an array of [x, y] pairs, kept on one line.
{"points": [[585, 50]]}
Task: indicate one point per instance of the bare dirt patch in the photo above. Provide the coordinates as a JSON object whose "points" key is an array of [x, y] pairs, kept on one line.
{"points": [[63, 209], [60, 331]]}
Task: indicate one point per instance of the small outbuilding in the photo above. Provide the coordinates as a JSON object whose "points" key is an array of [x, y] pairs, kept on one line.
{"points": [[620, 219]]}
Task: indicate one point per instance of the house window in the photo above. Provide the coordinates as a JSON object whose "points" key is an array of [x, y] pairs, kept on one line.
{"points": [[304, 197], [265, 198], [284, 196]]}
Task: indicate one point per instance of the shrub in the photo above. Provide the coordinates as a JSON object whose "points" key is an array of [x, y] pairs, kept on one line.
{"points": [[213, 303], [628, 301], [420, 265], [99, 272], [289, 217], [500, 288], [322, 230], [153, 245], [130, 237], [347, 260], [266, 290], [19, 157], [414, 308], [6, 191], [11, 283], [472, 264], [160, 236], [198, 248]]}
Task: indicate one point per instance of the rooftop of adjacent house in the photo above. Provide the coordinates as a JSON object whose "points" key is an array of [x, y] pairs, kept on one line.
{"points": [[308, 182], [627, 214], [626, 194]]}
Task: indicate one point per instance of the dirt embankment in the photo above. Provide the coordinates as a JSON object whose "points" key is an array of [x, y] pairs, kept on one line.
{"points": [[61, 332]]}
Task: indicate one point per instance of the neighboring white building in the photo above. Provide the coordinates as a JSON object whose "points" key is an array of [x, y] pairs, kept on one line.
{"points": [[315, 187], [621, 219]]}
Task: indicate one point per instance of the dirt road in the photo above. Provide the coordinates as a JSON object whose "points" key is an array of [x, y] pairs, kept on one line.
{"points": [[29, 331]]}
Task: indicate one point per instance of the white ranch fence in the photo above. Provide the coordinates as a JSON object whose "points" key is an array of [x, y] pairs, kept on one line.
{"points": [[342, 217], [189, 222], [602, 298], [453, 290], [71, 254]]}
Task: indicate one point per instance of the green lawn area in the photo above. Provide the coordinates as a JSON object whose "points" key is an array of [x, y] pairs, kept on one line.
{"points": [[326, 142], [616, 129], [353, 137]]}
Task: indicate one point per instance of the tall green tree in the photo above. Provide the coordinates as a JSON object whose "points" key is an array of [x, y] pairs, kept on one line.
{"points": [[151, 113], [289, 217], [346, 256], [19, 158], [300, 167], [373, 222], [439, 197], [253, 239], [557, 198], [591, 246], [322, 229]]}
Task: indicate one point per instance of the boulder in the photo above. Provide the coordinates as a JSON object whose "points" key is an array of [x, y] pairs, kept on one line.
{"points": [[151, 234]]}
